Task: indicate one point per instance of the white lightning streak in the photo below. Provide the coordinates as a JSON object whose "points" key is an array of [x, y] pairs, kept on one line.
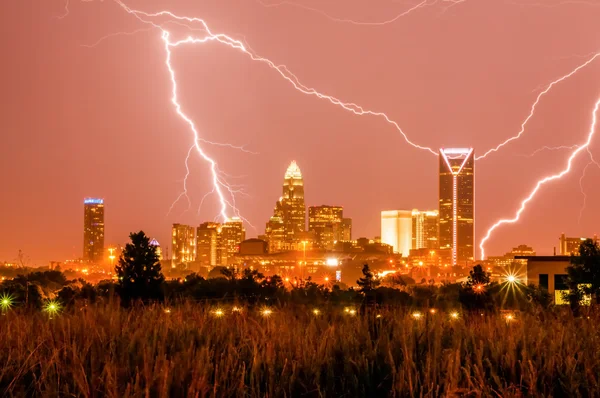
{"points": [[185, 189], [550, 148], [344, 20], [537, 100], [543, 181], [219, 184], [583, 191]]}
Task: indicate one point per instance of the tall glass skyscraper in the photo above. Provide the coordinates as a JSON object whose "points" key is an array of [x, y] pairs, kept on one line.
{"points": [[93, 230], [292, 203], [457, 203]]}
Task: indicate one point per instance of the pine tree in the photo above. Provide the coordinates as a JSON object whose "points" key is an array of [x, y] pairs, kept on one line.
{"points": [[139, 271], [368, 283]]}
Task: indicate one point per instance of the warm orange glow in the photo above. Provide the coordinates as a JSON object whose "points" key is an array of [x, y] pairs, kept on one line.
{"points": [[432, 311], [454, 315], [417, 315]]}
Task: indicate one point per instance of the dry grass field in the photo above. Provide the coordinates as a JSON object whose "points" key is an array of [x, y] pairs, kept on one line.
{"points": [[195, 350]]}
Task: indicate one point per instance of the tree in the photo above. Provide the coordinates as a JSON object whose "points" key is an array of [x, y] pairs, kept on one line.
{"points": [[368, 283], [583, 275], [139, 272], [478, 277]]}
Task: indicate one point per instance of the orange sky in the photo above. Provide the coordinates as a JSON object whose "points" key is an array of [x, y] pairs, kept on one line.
{"points": [[79, 121]]}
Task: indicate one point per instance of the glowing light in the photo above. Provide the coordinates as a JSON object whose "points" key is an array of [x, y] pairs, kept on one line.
{"points": [[479, 288], [432, 311], [266, 312], [544, 181], [454, 315], [350, 311], [511, 279], [93, 201], [6, 302], [236, 309], [316, 311], [326, 279], [378, 316], [218, 313], [332, 262], [383, 274], [416, 315], [537, 100], [167, 310], [509, 317], [52, 307]]}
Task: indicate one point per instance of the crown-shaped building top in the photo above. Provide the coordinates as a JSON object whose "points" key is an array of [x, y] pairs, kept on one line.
{"points": [[293, 171]]}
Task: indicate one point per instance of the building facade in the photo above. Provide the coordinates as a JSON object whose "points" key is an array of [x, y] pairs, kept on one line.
{"points": [[457, 203], [183, 244], [93, 230], [570, 246], [293, 208], [232, 234], [396, 230], [328, 225], [425, 229], [209, 245]]}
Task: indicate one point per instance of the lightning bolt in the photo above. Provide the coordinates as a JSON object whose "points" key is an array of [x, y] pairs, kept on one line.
{"points": [[220, 185], [550, 148], [66, 11], [349, 21], [535, 104], [545, 180]]}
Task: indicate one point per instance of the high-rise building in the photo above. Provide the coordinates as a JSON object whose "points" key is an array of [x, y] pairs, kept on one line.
{"points": [[396, 230], [326, 224], [275, 234], [154, 242], [292, 203], [233, 233], [183, 243], [457, 203], [570, 246], [209, 245], [345, 233], [93, 230], [425, 225], [216, 243]]}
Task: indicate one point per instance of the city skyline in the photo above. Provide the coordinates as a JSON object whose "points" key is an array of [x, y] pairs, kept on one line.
{"points": [[139, 143]]}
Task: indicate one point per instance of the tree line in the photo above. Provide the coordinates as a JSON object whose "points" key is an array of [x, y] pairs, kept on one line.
{"points": [[140, 279]]}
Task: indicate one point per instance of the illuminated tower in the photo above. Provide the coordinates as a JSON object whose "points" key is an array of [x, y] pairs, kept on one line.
{"points": [[396, 230], [293, 207], [457, 203], [93, 230], [209, 245], [232, 234], [183, 243], [326, 223], [425, 226]]}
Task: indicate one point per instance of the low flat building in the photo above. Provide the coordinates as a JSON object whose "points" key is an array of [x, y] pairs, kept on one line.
{"points": [[548, 272]]}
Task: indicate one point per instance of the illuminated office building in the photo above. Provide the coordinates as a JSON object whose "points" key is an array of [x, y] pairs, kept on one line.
{"points": [[456, 205], [93, 230], [232, 234], [217, 244], [327, 224], [570, 246], [183, 243], [210, 250], [154, 242], [293, 208], [345, 233], [425, 225], [396, 230]]}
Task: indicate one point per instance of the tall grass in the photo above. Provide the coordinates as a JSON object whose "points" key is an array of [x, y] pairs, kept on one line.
{"points": [[107, 351]]}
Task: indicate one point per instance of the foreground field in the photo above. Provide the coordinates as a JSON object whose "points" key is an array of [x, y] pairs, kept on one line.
{"points": [[196, 350]]}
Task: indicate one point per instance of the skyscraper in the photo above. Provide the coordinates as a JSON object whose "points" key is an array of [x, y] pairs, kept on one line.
{"points": [[233, 233], [425, 225], [326, 224], [292, 203], [183, 243], [93, 230], [209, 245], [217, 243], [396, 230], [457, 203]]}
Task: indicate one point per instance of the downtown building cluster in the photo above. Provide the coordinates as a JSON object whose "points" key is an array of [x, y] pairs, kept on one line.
{"points": [[445, 236]]}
